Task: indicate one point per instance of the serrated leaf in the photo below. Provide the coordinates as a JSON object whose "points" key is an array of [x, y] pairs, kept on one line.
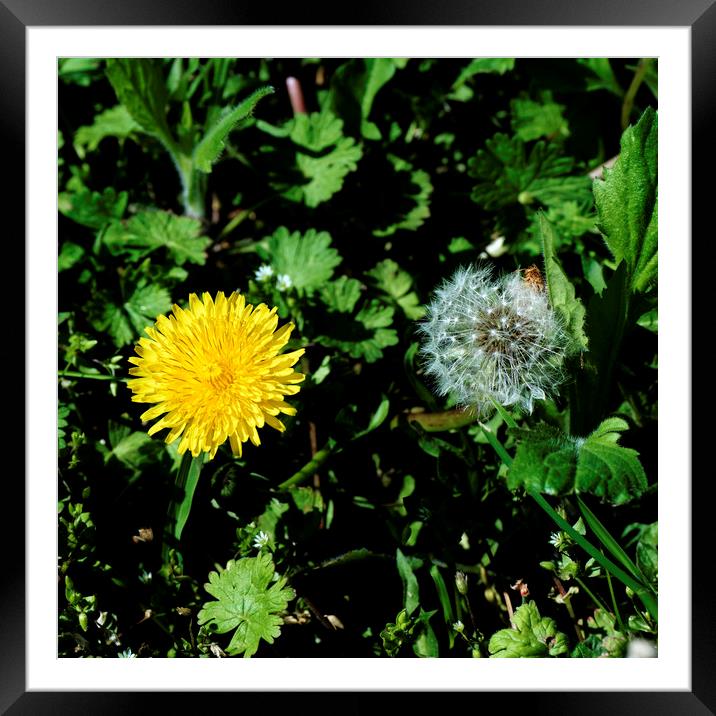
{"points": [[92, 208], [125, 322], [211, 145], [324, 155], [246, 603], [308, 259], [550, 462], [114, 122], [342, 294], [146, 304], [140, 87], [532, 120], [509, 174], [417, 200], [395, 282], [627, 202], [532, 636], [562, 296], [150, 230]]}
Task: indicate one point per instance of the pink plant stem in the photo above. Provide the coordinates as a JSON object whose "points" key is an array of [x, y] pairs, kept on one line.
{"points": [[295, 94]]}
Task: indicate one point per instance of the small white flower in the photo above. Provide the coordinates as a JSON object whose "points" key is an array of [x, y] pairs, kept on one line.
{"points": [[458, 626], [261, 540], [126, 654], [283, 282], [641, 649], [263, 272]]}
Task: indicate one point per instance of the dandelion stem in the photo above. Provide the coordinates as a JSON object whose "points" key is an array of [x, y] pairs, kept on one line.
{"points": [[310, 468], [91, 376], [630, 95]]}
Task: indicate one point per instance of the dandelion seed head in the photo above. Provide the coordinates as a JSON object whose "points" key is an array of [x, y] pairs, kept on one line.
{"points": [[489, 339]]}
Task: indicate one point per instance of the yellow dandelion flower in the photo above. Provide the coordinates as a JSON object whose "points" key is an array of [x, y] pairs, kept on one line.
{"points": [[215, 371]]}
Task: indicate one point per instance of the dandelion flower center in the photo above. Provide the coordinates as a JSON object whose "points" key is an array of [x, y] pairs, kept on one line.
{"points": [[215, 372]]}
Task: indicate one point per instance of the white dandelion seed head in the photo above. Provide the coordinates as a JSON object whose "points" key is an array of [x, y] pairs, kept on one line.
{"points": [[283, 282], [263, 272], [489, 339]]}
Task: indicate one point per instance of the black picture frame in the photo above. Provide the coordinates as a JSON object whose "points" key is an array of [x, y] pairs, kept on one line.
{"points": [[699, 15]]}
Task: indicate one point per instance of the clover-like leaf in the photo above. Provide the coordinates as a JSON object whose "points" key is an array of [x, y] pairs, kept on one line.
{"points": [[150, 230], [308, 259], [324, 156], [532, 636], [249, 601], [548, 461]]}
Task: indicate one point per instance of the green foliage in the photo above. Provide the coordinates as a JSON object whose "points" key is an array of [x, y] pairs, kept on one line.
{"points": [[246, 601], [549, 461], [208, 149], [531, 636], [324, 156], [509, 173], [627, 202], [308, 259], [185, 175], [150, 230], [562, 296]]}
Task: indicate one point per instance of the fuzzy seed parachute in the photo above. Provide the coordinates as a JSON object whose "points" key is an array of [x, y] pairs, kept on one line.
{"points": [[491, 340], [215, 372]]}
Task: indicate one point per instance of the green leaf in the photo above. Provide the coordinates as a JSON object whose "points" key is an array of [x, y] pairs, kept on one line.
{"points": [[150, 230], [560, 289], [63, 412], [211, 145], [92, 208], [342, 294], [416, 201], [133, 449], [308, 259], [140, 87], [125, 322], [532, 120], [547, 461], [395, 282], [627, 201], [602, 76], [115, 122], [354, 87], [606, 322], [70, 254], [509, 174], [484, 65], [532, 636], [246, 603], [647, 552], [146, 304], [324, 156], [411, 595]]}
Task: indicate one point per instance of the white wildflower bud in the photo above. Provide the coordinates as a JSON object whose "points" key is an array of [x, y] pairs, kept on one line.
{"points": [[263, 272], [283, 282], [491, 340]]}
